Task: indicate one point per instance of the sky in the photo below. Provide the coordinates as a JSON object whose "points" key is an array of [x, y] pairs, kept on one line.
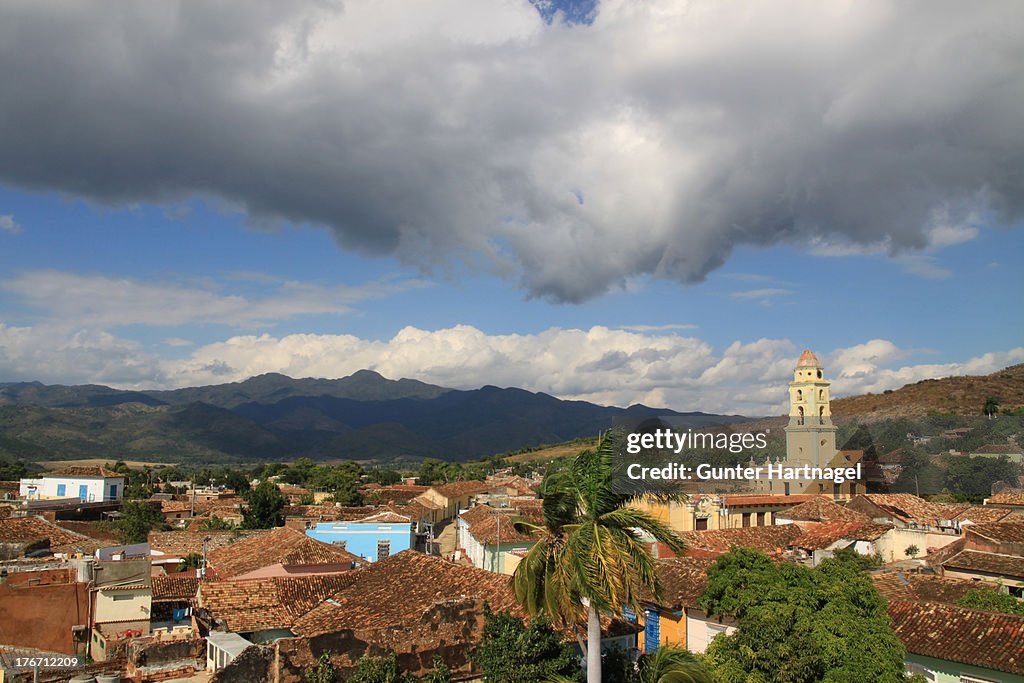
{"points": [[626, 201]]}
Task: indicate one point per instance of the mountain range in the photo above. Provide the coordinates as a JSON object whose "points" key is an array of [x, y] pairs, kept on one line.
{"points": [[273, 417]]}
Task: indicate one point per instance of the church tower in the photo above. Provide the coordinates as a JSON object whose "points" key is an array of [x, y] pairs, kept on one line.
{"points": [[810, 435]]}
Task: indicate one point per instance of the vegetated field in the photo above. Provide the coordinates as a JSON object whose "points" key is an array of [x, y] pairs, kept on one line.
{"points": [[557, 451], [134, 464]]}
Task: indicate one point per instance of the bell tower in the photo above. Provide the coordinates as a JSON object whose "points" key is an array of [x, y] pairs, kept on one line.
{"points": [[810, 434]]}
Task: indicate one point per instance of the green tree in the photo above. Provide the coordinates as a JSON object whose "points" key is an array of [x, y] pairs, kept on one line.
{"points": [[265, 505], [384, 476], [439, 674], [671, 664], [237, 481], [379, 670], [991, 601], [513, 652], [798, 625], [911, 551], [991, 407], [323, 671], [137, 519], [190, 561], [215, 523], [432, 472], [588, 559]]}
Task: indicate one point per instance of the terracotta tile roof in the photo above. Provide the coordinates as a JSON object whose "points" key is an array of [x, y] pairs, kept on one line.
{"points": [[283, 545], [498, 526], [387, 517], [822, 509], [1007, 497], [175, 587], [824, 534], [683, 581], [1000, 532], [399, 493], [28, 529], [1000, 448], [84, 471], [175, 505], [909, 508], [983, 515], [181, 543], [914, 587], [256, 604], [92, 530], [989, 563], [958, 634], [735, 500], [397, 591], [770, 539], [457, 489]]}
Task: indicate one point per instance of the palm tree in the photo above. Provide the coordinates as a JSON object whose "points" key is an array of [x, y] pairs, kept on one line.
{"points": [[991, 406], [588, 559], [672, 665]]}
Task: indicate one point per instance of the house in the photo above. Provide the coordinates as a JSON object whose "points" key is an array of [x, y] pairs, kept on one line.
{"points": [[709, 512], [820, 541], [122, 600], [281, 552], [1008, 499], [490, 540], [173, 599], [415, 605], [451, 498], [20, 536], [265, 609], [87, 483], [992, 553], [1010, 451], [168, 548], [772, 540], [370, 538], [819, 509], [951, 643]]}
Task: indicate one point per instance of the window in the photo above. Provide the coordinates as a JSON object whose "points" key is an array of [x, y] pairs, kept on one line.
{"points": [[787, 488], [62, 489], [835, 490], [702, 524], [383, 549], [1015, 591], [118, 597], [113, 491], [746, 519], [799, 394], [760, 519]]}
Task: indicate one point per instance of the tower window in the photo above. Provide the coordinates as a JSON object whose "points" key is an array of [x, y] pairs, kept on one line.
{"points": [[799, 394], [800, 413], [821, 394], [819, 374]]}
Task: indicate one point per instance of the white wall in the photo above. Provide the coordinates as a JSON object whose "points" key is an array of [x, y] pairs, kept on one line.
{"points": [[700, 631], [97, 489]]}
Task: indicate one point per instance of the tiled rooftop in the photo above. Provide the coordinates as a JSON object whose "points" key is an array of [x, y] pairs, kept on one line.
{"points": [[175, 587], [28, 529], [983, 515], [824, 534], [283, 545], [958, 634], [257, 604], [822, 509], [397, 591], [1000, 532], [910, 508], [683, 581], [770, 539], [83, 471], [1007, 497], [989, 563], [741, 499], [914, 587], [181, 543], [457, 489], [1000, 448]]}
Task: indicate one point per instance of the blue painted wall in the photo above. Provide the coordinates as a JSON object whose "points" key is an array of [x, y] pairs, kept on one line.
{"points": [[361, 537]]}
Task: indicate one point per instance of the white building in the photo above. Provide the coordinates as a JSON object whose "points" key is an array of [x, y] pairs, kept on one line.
{"points": [[87, 483]]}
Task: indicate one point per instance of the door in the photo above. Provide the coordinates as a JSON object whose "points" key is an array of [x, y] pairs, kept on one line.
{"points": [[83, 492]]}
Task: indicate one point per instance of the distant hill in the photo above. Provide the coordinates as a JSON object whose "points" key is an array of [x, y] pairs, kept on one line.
{"points": [[274, 417], [964, 395]]}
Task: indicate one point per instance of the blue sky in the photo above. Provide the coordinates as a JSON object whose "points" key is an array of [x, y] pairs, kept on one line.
{"points": [[622, 245]]}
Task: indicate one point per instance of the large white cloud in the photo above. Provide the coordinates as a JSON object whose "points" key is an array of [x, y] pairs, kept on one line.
{"points": [[569, 158], [603, 365]]}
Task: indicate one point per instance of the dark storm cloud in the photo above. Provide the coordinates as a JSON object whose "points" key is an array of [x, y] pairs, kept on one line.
{"points": [[441, 132]]}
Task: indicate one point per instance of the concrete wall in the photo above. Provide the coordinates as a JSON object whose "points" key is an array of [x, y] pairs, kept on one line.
{"points": [[42, 616], [893, 544], [700, 630], [122, 605]]}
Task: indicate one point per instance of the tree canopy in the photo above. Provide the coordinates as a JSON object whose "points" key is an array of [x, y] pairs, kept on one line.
{"points": [[266, 503], [511, 651], [798, 625]]}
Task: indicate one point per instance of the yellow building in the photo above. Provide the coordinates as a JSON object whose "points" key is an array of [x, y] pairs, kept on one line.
{"points": [[710, 512]]}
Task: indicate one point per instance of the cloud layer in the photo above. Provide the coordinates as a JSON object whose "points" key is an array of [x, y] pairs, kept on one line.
{"points": [[603, 365], [568, 158]]}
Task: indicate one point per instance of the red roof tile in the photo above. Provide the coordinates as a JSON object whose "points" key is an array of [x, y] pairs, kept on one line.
{"points": [[822, 509], [457, 489], [1007, 497], [958, 634], [175, 587], [250, 605], [84, 471], [28, 529], [988, 563], [770, 539], [283, 545], [1000, 532], [914, 587], [822, 535], [182, 543], [397, 591]]}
